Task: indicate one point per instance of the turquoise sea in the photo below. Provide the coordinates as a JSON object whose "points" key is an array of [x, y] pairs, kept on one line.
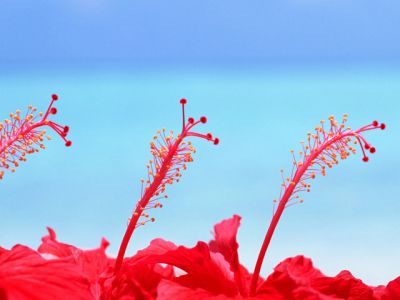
{"points": [[350, 220]]}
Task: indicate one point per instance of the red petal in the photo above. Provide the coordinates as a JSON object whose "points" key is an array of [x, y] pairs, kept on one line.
{"points": [[24, 274], [299, 268], [137, 279], [225, 240], [343, 285], [168, 290], [289, 274], [157, 247], [225, 243], [392, 290], [94, 264], [379, 291], [204, 270], [306, 293], [140, 281], [50, 245]]}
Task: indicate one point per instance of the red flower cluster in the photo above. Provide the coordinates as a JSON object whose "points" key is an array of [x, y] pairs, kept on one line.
{"points": [[166, 271]]}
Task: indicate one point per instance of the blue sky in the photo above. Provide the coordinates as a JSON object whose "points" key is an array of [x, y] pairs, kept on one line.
{"points": [[264, 73], [199, 32]]}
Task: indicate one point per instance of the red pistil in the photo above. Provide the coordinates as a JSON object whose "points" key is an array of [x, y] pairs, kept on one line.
{"points": [[23, 135], [372, 150], [322, 150], [170, 156]]}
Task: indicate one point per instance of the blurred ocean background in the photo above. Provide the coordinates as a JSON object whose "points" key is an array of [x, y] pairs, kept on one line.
{"points": [[264, 73]]}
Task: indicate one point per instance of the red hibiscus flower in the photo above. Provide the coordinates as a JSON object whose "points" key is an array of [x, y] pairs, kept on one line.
{"points": [[206, 271], [164, 270]]}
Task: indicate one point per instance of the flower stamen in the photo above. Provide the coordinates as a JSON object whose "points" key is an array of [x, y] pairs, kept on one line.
{"points": [[24, 135], [323, 150], [170, 156]]}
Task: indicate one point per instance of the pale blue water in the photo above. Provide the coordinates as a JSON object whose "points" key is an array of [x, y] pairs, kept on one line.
{"points": [[350, 220]]}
